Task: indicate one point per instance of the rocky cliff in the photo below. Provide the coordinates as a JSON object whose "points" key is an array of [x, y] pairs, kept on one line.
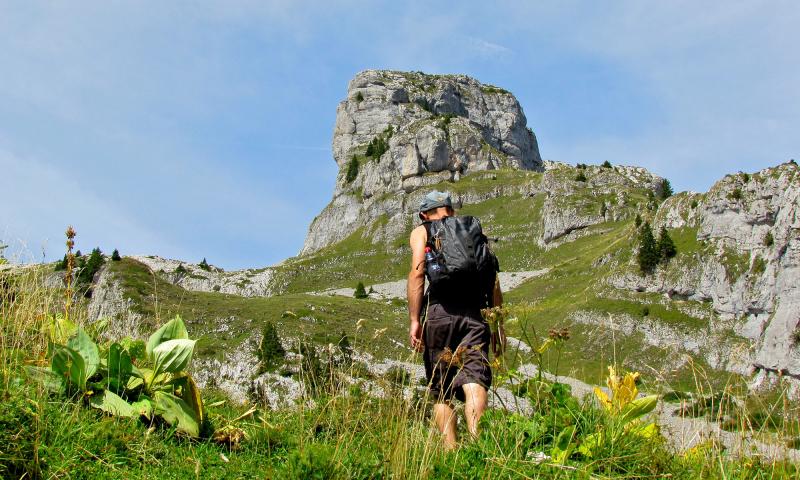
{"points": [[397, 131], [744, 261]]}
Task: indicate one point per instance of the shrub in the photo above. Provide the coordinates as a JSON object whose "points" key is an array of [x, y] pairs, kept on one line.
{"points": [[180, 269], [606, 164], [648, 252], [638, 220], [360, 292], [603, 209], [580, 177], [581, 166], [769, 240], [115, 256], [736, 194], [359, 97], [645, 310], [377, 147], [270, 352], [693, 204], [352, 170]]}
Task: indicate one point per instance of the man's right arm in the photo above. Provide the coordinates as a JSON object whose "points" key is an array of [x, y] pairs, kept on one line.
{"points": [[416, 285]]}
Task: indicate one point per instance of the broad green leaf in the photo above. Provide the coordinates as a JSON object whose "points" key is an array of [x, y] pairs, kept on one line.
{"points": [[191, 395], [119, 365], [144, 406], [647, 431], [172, 330], [589, 445], [87, 349], [638, 407], [173, 355], [136, 348], [69, 364], [51, 381], [60, 329], [177, 413], [133, 383], [563, 446], [111, 403]]}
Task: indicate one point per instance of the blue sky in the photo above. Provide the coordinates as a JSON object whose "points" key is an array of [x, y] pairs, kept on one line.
{"points": [[203, 129]]}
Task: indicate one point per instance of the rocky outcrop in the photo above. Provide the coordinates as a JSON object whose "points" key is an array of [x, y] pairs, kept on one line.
{"points": [[244, 283], [397, 131], [577, 198], [108, 302], [747, 262]]}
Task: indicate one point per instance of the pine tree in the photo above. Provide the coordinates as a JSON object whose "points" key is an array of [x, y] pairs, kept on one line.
{"points": [[638, 220], [90, 268], [360, 292], [666, 190], [270, 352], [606, 164], [115, 256], [648, 251], [666, 247], [204, 265]]}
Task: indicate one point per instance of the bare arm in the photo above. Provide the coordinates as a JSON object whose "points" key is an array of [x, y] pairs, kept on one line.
{"points": [[416, 285]]}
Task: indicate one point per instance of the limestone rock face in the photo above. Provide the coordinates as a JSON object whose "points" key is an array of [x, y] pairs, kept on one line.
{"points": [[748, 263], [432, 128]]}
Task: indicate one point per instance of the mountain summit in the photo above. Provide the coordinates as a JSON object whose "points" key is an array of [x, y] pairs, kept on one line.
{"points": [[398, 131]]}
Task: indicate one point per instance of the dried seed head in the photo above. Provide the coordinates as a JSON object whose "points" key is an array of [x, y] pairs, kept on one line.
{"points": [[70, 232]]}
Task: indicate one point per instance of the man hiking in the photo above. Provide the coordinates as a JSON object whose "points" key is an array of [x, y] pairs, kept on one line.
{"points": [[453, 253]]}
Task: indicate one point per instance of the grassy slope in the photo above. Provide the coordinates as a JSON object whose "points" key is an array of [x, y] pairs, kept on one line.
{"points": [[574, 283]]}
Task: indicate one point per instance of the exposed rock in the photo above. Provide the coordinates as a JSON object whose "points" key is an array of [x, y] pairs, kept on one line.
{"points": [[244, 283], [437, 128], [748, 265], [108, 302]]}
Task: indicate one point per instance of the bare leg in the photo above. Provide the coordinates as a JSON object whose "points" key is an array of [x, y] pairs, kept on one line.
{"points": [[445, 418], [474, 405]]}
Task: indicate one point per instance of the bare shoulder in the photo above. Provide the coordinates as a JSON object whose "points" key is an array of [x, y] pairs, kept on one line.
{"points": [[418, 235]]}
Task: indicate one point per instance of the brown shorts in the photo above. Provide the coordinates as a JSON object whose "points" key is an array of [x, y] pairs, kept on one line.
{"points": [[456, 350]]}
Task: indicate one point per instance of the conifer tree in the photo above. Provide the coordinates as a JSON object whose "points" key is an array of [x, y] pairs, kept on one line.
{"points": [[666, 247], [637, 221], [360, 291], [666, 190], [115, 256], [204, 265], [91, 267], [270, 352], [648, 250]]}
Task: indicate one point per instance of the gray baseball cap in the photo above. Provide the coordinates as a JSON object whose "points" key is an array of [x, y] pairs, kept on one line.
{"points": [[435, 199]]}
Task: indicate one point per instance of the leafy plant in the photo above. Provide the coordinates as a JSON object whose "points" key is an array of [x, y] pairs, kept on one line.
{"points": [[105, 377], [624, 410], [769, 240]]}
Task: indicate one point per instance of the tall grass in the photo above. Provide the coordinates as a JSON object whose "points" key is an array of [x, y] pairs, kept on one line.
{"points": [[348, 428]]}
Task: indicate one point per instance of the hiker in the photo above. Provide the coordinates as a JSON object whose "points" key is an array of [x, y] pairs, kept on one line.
{"points": [[453, 336]]}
